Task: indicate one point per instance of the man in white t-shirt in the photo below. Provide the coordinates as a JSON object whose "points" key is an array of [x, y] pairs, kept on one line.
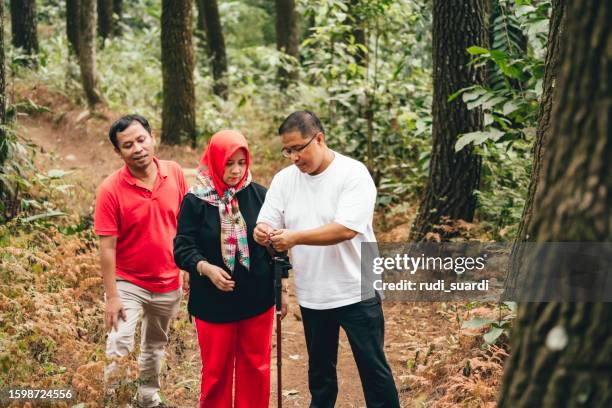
{"points": [[321, 208]]}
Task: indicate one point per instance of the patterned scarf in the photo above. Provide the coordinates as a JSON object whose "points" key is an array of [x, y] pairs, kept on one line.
{"points": [[233, 226], [210, 188]]}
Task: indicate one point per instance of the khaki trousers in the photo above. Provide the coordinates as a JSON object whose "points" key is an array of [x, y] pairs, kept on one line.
{"points": [[157, 310]]}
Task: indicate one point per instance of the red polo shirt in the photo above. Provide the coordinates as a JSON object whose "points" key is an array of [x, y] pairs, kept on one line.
{"points": [[144, 222]]}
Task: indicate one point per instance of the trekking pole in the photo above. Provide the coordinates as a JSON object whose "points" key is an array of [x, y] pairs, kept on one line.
{"points": [[281, 270]]}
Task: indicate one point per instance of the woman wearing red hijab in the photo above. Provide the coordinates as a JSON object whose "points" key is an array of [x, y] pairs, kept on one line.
{"points": [[231, 280]]}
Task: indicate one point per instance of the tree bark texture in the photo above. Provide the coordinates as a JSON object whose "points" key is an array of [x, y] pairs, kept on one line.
{"points": [[556, 36], [73, 23], [573, 202], [453, 176], [3, 139], [23, 27], [287, 38], [178, 110], [201, 25], [118, 15], [216, 47], [87, 51], [105, 18]]}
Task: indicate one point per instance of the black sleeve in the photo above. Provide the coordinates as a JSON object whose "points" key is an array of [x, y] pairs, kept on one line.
{"points": [[186, 252]]}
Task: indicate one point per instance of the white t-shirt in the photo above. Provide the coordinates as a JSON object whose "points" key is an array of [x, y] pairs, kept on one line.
{"points": [[329, 276]]}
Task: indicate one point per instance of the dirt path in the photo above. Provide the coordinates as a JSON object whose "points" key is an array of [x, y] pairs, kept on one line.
{"points": [[423, 342]]}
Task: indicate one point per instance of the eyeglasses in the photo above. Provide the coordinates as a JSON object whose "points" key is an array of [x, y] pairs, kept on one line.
{"points": [[288, 151]]}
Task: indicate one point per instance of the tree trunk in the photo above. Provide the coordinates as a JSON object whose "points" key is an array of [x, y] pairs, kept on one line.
{"points": [[178, 111], [73, 18], [556, 35], [287, 39], [3, 139], [216, 47], [23, 26], [105, 18], [118, 13], [573, 203], [201, 25], [453, 176], [87, 51]]}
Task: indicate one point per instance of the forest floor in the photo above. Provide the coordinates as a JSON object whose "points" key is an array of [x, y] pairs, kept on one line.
{"points": [[55, 307]]}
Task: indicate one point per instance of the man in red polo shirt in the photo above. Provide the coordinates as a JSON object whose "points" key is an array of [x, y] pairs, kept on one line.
{"points": [[136, 214]]}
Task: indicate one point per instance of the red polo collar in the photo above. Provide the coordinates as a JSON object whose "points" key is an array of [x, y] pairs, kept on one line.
{"points": [[162, 173]]}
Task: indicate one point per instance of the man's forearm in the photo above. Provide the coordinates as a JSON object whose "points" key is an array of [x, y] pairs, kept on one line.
{"points": [[107, 261], [328, 234]]}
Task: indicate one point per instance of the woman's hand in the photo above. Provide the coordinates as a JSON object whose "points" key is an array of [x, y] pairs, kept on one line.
{"points": [[217, 276]]}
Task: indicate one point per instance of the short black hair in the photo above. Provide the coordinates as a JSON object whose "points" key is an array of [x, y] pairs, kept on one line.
{"points": [[123, 123], [305, 121]]}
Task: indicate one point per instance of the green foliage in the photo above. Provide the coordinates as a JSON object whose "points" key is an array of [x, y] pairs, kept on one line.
{"points": [[377, 111], [495, 327], [236, 15], [15, 174], [510, 103]]}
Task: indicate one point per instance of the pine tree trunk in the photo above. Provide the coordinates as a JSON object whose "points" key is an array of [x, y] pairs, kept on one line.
{"points": [[73, 23], [23, 26], [105, 18], [216, 47], [118, 16], [573, 202], [87, 51], [201, 25], [3, 141], [287, 38], [453, 176], [556, 35], [178, 111]]}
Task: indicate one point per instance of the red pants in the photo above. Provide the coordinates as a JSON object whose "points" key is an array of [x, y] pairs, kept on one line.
{"points": [[248, 345]]}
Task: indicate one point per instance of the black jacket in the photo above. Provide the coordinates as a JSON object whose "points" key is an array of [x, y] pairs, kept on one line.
{"points": [[198, 237]]}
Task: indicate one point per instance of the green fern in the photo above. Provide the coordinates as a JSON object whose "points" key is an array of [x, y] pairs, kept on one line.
{"points": [[505, 35]]}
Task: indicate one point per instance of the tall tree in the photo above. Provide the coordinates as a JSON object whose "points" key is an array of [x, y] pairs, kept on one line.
{"points": [[287, 38], [87, 51], [216, 46], [178, 110], [23, 26], [453, 176], [105, 18], [201, 24], [3, 139], [556, 35], [73, 23], [118, 16], [562, 352]]}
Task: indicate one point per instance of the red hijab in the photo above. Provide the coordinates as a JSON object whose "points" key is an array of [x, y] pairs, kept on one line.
{"points": [[221, 146]]}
